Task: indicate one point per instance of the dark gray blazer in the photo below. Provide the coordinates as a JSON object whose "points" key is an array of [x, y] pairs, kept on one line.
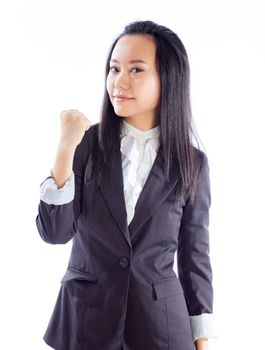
{"points": [[120, 289]]}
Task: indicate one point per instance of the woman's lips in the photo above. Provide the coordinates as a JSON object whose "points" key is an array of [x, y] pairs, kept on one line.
{"points": [[122, 99]]}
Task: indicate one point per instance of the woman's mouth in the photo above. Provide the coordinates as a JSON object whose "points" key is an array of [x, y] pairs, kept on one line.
{"points": [[122, 98]]}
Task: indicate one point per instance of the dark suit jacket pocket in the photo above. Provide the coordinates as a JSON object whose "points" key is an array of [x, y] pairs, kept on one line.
{"points": [[167, 287], [83, 286], [74, 274]]}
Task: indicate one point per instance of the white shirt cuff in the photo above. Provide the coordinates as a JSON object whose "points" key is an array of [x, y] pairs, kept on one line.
{"points": [[203, 326], [51, 194]]}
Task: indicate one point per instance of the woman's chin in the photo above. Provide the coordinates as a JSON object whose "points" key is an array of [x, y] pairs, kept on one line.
{"points": [[119, 113]]}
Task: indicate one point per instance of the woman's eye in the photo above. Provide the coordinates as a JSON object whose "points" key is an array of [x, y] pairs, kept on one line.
{"points": [[138, 69], [113, 69]]}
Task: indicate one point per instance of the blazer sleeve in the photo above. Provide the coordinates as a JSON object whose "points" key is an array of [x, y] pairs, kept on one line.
{"points": [[57, 223], [194, 266]]}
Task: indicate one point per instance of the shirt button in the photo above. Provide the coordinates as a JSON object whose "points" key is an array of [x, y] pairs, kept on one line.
{"points": [[124, 262]]}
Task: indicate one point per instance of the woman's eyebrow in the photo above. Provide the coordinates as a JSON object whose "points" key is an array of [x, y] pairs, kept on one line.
{"points": [[132, 61]]}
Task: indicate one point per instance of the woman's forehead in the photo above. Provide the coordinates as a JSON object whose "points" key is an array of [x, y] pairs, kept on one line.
{"points": [[132, 48]]}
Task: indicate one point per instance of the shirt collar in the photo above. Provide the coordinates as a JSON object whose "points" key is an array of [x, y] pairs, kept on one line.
{"points": [[129, 130]]}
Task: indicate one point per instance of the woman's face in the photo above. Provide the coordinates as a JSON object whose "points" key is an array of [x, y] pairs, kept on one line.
{"points": [[133, 75]]}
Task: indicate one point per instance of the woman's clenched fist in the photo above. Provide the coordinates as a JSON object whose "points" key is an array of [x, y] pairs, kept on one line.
{"points": [[73, 127]]}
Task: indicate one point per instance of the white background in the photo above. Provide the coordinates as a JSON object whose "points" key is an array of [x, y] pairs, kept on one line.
{"points": [[52, 57]]}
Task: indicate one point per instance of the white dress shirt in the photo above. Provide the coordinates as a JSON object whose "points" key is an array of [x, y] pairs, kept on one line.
{"points": [[138, 150]]}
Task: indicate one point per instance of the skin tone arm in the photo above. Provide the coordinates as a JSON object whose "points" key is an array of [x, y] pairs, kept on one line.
{"points": [[201, 344], [73, 127]]}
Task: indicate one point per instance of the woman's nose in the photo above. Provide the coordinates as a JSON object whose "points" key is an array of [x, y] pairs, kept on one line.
{"points": [[121, 81]]}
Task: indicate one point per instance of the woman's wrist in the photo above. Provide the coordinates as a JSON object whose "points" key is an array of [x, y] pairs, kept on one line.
{"points": [[201, 344]]}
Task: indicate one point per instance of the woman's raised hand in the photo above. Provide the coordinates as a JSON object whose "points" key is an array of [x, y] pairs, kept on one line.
{"points": [[73, 127]]}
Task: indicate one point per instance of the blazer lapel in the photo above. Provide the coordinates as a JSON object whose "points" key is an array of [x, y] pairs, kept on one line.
{"points": [[111, 185], [155, 191]]}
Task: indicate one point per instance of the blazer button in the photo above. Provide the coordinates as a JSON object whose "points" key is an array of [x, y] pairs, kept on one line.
{"points": [[124, 262]]}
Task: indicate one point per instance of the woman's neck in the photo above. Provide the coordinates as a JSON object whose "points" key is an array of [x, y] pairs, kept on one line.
{"points": [[141, 124]]}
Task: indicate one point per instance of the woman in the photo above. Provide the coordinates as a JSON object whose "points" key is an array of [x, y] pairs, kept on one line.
{"points": [[131, 191]]}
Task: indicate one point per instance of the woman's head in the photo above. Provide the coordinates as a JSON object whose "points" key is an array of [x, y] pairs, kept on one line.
{"points": [[162, 92], [165, 52]]}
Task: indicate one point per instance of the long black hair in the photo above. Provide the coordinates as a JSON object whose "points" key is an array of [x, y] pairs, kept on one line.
{"points": [[173, 112]]}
